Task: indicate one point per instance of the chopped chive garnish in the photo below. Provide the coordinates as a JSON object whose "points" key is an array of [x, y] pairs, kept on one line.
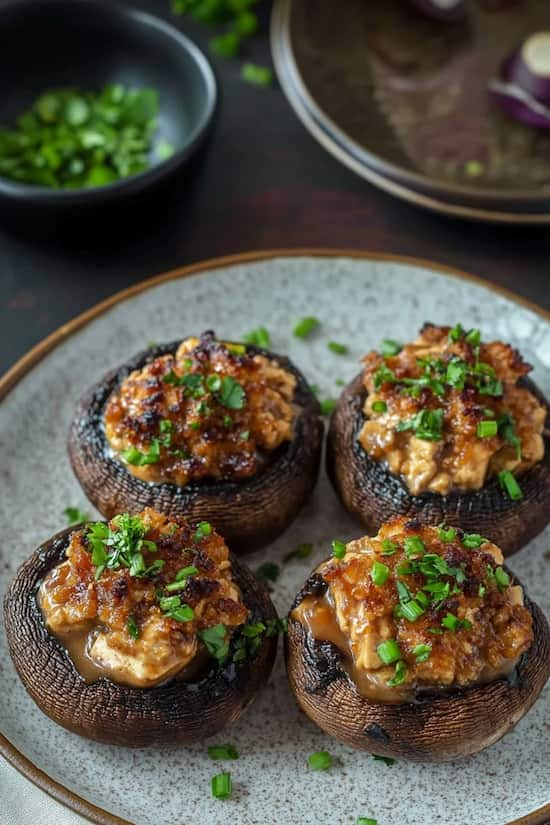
{"points": [[487, 429], [389, 651], [379, 406], [383, 375], [387, 760], [411, 610], [257, 75], [502, 578], [507, 430], [390, 347], [328, 405], [221, 786], [365, 820], [216, 641], [138, 459], [481, 591], [414, 547], [422, 652], [453, 623], [456, 333], [340, 383], [400, 674], [244, 435], [320, 761], [472, 540], [203, 529], [389, 547], [260, 337], [339, 349], [305, 327], [75, 516], [426, 425], [446, 534], [379, 573], [474, 337], [302, 551], [268, 571], [508, 482], [133, 629], [223, 752], [338, 549]]}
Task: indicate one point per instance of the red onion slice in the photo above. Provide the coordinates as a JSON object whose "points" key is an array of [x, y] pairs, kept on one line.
{"points": [[448, 10], [523, 86]]}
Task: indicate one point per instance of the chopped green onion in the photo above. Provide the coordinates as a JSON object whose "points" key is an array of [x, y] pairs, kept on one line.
{"points": [[481, 591], [426, 424], [225, 45], [502, 578], [338, 549], [390, 347], [446, 534], [507, 430], [223, 752], [379, 573], [474, 337], [133, 629], [414, 547], [389, 547], [257, 75], [365, 820], [487, 429], [268, 571], [389, 651], [328, 406], [213, 382], [453, 623], [221, 786], [75, 516], [473, 540], [320, 761], [508, 482], [379, 406], [302, 551], [203, 529], [400, 674], [260, 337], [305, 327], [339, 349], [422, 652], [456, 333], [411, 610]]}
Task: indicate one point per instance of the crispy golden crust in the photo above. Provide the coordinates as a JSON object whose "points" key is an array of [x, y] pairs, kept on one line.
{"points": [[126, 608], [459, 459], [501, 627], [174, 410]]}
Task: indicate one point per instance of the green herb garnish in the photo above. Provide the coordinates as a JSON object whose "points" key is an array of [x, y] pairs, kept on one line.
{"points": [[133, 629], [400, 674], [379, 406], [422, 652], [72, 139], [338, 549], [389, 651], [221, 786], [75, 516], [268, 572], [509, 483], [426, 425], [223, 752], [390, 347], [216, 641], [305, 327], [339, 349], [379, 573], [231, 394], [446, 534], [320, 761], [302, 551], [121, 547], [138, 459], [204, 528], [328, 405], [387, 760], [257, 75], [389, 547], [473, 540], [453, 623], [487, 429], [259, 337]]}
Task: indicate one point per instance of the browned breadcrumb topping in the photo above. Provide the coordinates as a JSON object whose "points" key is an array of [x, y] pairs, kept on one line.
{"points": [[460, 459], [130, 635], [209, 412], [494, 627]]}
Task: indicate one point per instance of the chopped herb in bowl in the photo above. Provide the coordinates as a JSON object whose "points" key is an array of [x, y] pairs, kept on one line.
{"points": [[72, 139]]}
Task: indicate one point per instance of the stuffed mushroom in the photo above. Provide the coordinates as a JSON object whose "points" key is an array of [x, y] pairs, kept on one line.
{"points": [[141, 631], [448, 428], [211, 430], [416, 644]]}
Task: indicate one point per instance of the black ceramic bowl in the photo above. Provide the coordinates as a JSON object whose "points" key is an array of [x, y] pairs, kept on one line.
{"points": [[86, 44]]}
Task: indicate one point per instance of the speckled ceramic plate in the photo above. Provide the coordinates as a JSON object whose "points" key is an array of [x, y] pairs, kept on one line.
{"points": [[402, 100], [359, 299]]}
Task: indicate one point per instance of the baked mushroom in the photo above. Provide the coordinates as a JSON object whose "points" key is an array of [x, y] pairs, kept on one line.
{"points": [[447, 428], [222, 432], [141, 631], [416, 644]]}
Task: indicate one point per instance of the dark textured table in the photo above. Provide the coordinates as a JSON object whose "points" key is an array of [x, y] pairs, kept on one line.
{"points": [[262, 183]]}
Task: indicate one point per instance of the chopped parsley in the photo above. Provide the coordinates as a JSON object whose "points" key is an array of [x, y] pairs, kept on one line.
{"points": [[473, 540], [302, 551], [259, 337], [133, 629], [390, 347], [328, 405], [216, 641], [305, 326], [138, 459], [453, 623], [121, 547], [75, 516], [174, 608], [338, 349], [426, 425], [231, 394], [379, 406], [446, 534], [204, 528]]}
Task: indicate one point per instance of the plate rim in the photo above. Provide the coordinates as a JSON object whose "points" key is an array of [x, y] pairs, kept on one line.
{"points": [[36, 354], [390, 178]]}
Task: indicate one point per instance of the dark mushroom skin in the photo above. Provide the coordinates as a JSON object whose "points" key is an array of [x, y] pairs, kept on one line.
{"points": [[435, 727], [174, 713], [249, 514], [374, 495]]}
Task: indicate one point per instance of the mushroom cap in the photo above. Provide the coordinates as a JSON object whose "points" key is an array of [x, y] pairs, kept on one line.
{"points": [[249, 513], [369, 491], [436, 726], [174, 713]]}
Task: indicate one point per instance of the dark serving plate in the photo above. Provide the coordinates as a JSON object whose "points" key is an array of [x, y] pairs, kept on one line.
{"points": [[86, 44], [402, 100]]}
